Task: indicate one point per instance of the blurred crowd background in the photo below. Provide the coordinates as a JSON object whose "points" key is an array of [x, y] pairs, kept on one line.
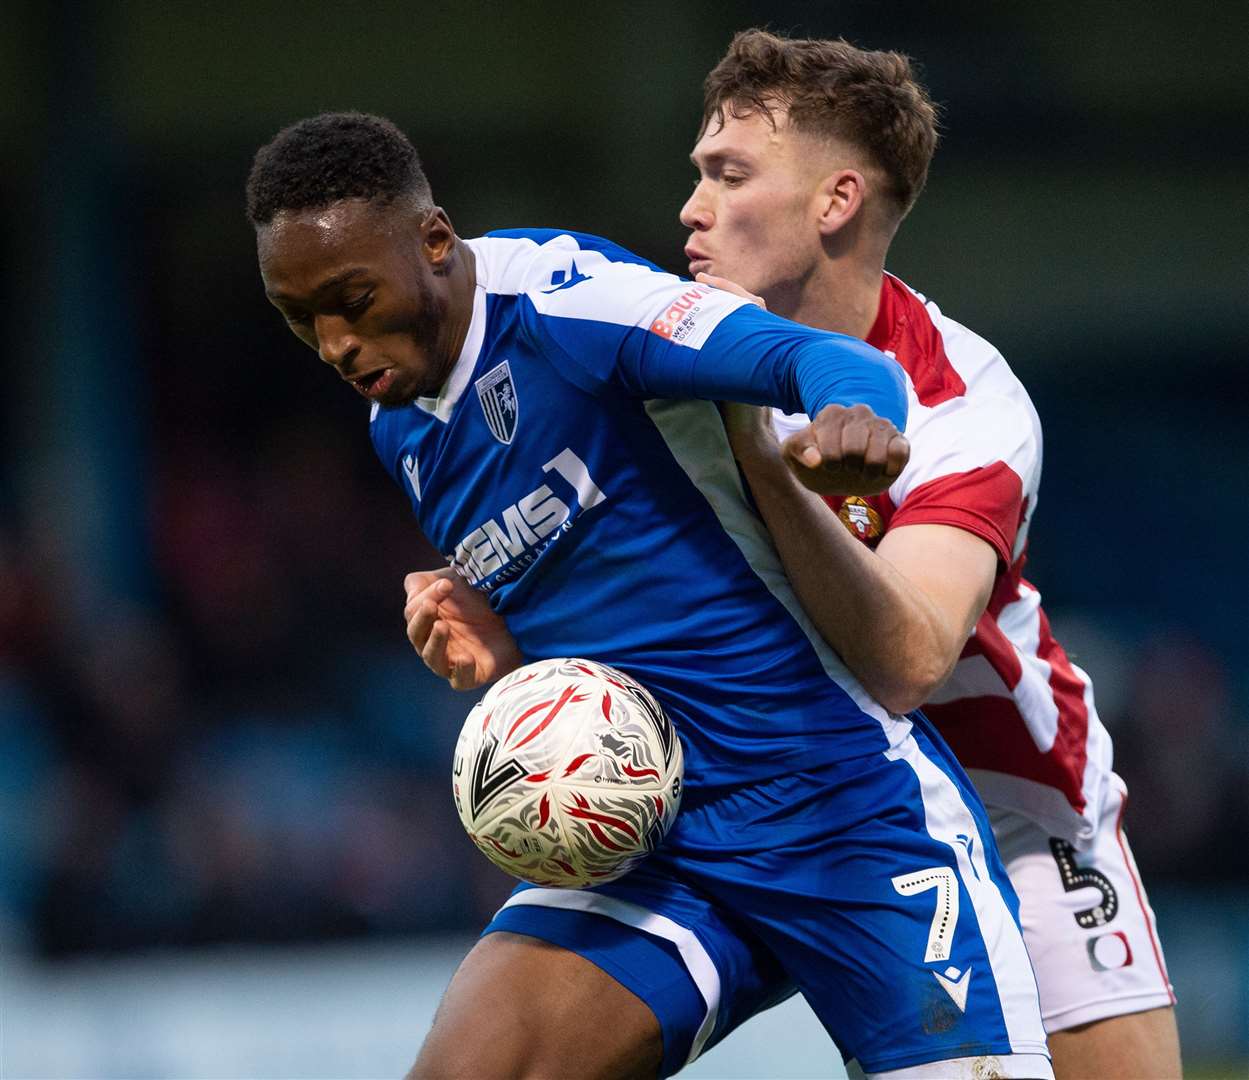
{"points": [[211, 727]]}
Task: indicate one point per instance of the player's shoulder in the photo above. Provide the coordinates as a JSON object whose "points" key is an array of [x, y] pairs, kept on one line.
{"points": [[544, 262], [564, 282], [969, 351], [945, 359]]}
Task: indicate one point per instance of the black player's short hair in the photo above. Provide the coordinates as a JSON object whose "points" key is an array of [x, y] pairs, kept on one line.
{"points": [[324, 159]]}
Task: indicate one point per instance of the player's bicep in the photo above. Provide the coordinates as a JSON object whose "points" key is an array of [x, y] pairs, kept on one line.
{"points": [[954, 568], [649, 334], [627, 327]]}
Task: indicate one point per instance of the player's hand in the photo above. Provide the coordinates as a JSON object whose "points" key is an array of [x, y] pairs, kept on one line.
{"points": [[847, 451], [453, 628], [730, 286]]}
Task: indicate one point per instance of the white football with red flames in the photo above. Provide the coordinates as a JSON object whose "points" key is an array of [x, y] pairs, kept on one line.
{"points": [[567, 773]]}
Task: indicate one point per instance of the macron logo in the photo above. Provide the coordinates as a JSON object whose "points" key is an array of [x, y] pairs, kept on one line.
{"points": [[410, 471], [955, 985], [969, 845], [560, 280]]}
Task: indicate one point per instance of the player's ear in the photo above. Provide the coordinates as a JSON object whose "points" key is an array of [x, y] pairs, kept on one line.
{"points": [[438, 237], [838, 199]]}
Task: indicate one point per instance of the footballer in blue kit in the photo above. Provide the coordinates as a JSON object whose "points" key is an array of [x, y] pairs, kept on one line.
{"points": [[546, 401]]}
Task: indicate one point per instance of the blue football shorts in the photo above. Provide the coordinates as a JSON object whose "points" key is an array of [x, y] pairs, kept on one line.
{"points": [[871, 886]]}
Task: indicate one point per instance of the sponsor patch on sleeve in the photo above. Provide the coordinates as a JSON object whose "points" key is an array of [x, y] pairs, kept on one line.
{"points": [[693, 313]]}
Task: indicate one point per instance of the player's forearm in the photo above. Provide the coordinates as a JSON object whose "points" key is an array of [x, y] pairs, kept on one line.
{"points": [[840, 370], [885, 629]]}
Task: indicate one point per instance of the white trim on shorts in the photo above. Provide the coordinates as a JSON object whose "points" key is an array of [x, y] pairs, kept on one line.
{"points": [[1007, 1066], [697, 960]]}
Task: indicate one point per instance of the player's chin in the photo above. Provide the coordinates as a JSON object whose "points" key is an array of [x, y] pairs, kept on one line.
{"points": [[395, 400], [403, 390]]}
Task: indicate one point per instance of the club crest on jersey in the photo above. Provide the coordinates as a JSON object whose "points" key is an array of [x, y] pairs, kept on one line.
{"points": [[497, 393], [860, 517]]}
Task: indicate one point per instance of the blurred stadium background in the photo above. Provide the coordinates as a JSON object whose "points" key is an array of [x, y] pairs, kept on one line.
{"points": [[228, 845]]}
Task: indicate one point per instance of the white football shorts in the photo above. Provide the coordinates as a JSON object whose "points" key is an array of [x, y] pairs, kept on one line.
{"points": [[1086, 920]]}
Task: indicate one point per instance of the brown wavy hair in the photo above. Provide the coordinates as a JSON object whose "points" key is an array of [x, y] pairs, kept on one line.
{"points": [[870, 100]]}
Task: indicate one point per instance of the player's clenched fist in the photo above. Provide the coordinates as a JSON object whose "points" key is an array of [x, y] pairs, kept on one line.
{"points": [[452, 627], [847, 451]]}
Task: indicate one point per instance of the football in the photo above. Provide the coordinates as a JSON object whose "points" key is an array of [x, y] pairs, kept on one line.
{"points": [[567, 773]]}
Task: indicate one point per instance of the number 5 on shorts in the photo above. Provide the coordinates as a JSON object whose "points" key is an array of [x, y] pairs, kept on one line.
{"points": [[945, 917]]}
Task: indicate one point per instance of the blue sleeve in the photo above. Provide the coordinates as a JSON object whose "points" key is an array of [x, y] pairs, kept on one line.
{"points": [[762, 359], [627, 328]]}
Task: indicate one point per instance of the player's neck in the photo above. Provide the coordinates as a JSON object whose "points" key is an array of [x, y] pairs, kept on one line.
{"points": [[462, 284], [838, 296]]}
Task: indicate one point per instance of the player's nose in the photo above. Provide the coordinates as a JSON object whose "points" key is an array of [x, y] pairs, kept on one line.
{"points": [[335, 344], [696, 213]]}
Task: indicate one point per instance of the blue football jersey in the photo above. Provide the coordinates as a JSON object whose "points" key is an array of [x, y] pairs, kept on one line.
{"points": [[575, 469]]}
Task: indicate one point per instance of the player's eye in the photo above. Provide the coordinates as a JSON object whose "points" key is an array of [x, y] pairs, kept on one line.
{"points": [[357, 304], [296, 318], [732, 179]]}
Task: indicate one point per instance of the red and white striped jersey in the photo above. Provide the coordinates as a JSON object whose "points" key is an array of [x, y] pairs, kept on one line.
{"points": [[1017, 713]]}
